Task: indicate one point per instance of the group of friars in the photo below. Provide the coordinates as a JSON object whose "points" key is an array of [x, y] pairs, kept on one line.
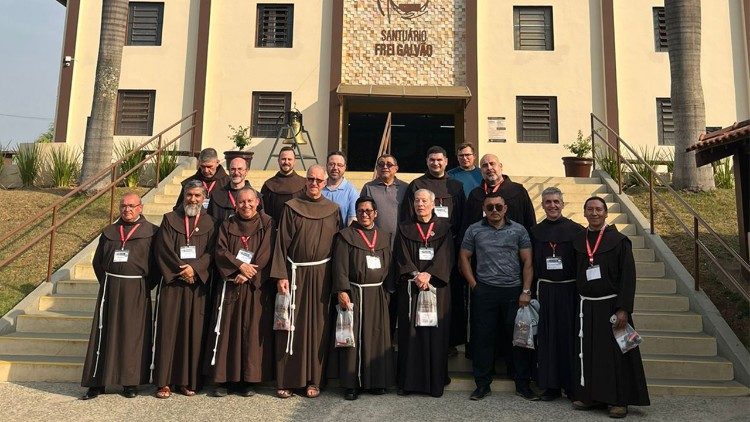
{"points": [[220, 258]]}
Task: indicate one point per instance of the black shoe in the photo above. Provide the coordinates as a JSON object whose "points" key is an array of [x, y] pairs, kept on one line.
{"points": [[402, 392], [480, 393], [129, 391], [377, 391], [92, 393], [351, 394], [550, 394], [447, 380], [219, 391], [526, 392], [246, 390]]}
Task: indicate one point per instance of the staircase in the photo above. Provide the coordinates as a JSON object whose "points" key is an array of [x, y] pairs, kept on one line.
{"points": [[49, 343]]}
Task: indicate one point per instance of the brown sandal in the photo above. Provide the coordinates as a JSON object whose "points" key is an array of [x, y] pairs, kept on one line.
{"points": [[283, 393], [312, 391], [186, 391], [163, 392]]}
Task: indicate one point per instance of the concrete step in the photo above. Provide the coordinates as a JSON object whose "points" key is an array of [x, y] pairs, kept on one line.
{"points": [[650, 269], [154, 208], [643, 255], [666, 343], [21, 368], [172, 189], [670, 387], [84, 271], [76, 303], [661, 302], [638, 241], [589, 189], [44, 344], [645, 285], [680, 367], [77, 287], [682, 322], [154, 218], [55, 322]]}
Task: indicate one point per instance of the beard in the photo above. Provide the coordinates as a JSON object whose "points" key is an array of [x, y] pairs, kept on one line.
{"points": [[191, 210]]}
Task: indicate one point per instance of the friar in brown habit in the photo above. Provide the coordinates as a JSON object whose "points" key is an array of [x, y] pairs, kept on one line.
{"points": [[239, 347], [210, 173], [120, 343], [283, 186], [224, 199], [301, 263], [424, 257], [183, 254], [361, 263]]}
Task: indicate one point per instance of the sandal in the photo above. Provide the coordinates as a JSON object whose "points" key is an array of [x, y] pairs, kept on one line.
{"points": [[283, 393], [163, 392], [186, 391], [312, 391]]}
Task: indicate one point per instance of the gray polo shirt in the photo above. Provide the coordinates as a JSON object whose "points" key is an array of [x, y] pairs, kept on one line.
{"points": [[388, 199], [496, 251]]}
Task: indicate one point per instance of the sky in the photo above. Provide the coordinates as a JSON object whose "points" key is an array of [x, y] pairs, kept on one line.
{"points": [[31, 33]]}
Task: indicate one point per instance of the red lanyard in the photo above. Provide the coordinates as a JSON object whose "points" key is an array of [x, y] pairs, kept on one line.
{"points": [[231, 199], [189, 233], [374, 239], [554, 246], [590, 251], [124, 238], [209, 188], [244, 240], [423, 235], [494, 189]]}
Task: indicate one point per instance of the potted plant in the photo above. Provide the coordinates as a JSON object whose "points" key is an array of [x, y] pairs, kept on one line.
{"points": [[240, 137], [580, 165]]}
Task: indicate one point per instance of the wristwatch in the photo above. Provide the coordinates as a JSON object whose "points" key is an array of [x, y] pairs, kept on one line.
{"points": [[526, 292]]}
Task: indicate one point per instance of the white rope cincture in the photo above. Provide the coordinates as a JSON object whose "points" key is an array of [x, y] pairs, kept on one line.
{"points": [[155, 324], [359, 330], [292, 291], [217, 328], [580, 332], [550, 281], [101, 313]]}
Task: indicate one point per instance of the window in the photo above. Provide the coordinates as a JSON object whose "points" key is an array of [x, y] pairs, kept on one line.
{"points": [[664, 120], [532, 28], [144, 23], [268, 112], [536, 119], [660, 29], [275, 23], [135, 112]]}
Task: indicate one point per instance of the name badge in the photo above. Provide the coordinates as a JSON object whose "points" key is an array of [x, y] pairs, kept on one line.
{"points": [[206, 202], [188, 252], [554, 263], [121, 255], [593, 273], [426, 254], [373, 262], [245, 256], [441, 211]]}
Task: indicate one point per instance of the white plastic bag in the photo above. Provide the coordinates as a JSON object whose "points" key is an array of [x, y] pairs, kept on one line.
{"points": [[427, 308], [281, 321], [527, 319], [345, 326], [627, 338]]}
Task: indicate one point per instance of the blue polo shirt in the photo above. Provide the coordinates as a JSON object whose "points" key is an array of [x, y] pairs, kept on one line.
{"points": [[496, 250], [468, 178], [345, 196]]}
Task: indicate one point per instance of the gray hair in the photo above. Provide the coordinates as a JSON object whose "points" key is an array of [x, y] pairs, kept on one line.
{"points": [[251, 189], [196, 184], [208, 154], [430, 193], [552, 190]]}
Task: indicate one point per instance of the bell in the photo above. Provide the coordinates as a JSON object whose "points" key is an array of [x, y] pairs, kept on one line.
{"points": [[295, 129]]}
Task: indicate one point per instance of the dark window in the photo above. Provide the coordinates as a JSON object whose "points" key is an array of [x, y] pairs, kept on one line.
{"points": [[275, 22], [532, 27], [660, 29], [144, 23], [268, 112], [135, 112], [536, 119], [664, 120]]}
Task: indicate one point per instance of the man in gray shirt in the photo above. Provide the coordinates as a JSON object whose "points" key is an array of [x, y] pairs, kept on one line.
{"points": [[501, 247], [388, 192]]}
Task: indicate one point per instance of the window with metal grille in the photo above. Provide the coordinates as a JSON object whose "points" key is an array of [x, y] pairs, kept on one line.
{"points": [[660, 29], [135, 112], [274, 28], [536, 119], [268, 112], [665, 121], [532, 28], [144, 23]]}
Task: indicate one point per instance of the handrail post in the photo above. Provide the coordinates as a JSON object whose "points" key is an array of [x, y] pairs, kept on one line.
{"points": [[51, 245], [158, 161], [651, 200], [696, 254], [619, 167], [112, 197], [593, 143]]}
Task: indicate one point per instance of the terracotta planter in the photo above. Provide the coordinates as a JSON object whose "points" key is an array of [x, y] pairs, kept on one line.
{"points": [[577, 166], [230, 155]]}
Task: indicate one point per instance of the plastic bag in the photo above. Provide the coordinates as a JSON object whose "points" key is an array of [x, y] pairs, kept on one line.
{"points": [[527, 319], [427, 308], [627, 338], [345, 326], [281, 321]]}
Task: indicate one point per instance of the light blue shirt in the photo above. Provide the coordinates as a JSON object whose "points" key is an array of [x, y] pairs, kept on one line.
{"points": [[345, 196], [469, 178]]}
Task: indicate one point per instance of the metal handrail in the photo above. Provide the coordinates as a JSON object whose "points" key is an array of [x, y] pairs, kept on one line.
{"points": [[697, 219], [114, 180]]}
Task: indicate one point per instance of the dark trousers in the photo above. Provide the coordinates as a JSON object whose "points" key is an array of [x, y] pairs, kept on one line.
{"points": [[493, 312]]}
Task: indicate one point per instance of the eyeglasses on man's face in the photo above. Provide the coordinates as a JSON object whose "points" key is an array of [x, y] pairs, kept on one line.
{"points": [[494, 207], [129, 206], [315, 181], [365, 211], [384, 164]]}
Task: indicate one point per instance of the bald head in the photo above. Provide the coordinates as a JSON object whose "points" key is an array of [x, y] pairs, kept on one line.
{"points": [[316, 178], [238, 172], [492, 169]]}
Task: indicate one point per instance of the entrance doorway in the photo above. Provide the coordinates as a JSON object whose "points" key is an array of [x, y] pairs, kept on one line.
{"points": [[411, 135]]}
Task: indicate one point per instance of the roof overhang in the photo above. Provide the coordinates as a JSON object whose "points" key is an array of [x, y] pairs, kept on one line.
{"points": [[721, 143], [397, 91]]}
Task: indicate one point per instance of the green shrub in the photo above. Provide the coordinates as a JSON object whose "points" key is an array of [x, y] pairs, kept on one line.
{"points": [[29, 161], [668, 157], [580, 146], [46, 137], [65, 166], [723, 175], [130, 156], [606, 160], [168, 161], [3, 149], [652, 156]]}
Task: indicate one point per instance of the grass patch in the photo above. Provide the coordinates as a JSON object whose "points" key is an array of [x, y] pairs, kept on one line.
{"points": [[719, 209]]}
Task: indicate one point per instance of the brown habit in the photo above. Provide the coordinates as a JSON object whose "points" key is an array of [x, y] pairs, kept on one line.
{"points": [[125, 337], [279, 189], [220, 207], [305, 234], [370, 363], [422, 351], [245, 348], [181, 306]]}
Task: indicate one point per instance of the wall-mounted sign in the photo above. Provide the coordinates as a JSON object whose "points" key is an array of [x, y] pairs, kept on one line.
{"points": [[403, 42], [403, 10], [496, 131]]}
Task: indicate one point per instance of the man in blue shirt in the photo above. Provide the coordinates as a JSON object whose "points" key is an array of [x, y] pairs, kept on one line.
{"points": [[338, 190], [467, 172]]}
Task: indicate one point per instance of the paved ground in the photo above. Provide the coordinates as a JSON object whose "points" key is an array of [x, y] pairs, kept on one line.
{"points": [[58, 401]]}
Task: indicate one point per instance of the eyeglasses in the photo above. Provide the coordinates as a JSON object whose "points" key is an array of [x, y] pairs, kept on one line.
{"points": [[129, 206], [339, 165], [368, 212], [386, 165], [314, 180], [494, 207]]}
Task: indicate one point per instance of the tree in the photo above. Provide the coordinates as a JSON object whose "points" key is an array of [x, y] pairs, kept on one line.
{"points": [[683, 19], [100, 129]]}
